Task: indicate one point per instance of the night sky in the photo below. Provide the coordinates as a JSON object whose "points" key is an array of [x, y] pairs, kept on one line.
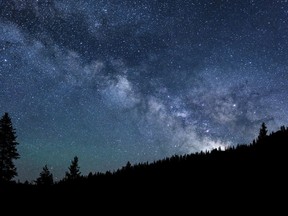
{"points": [[139, 80]]}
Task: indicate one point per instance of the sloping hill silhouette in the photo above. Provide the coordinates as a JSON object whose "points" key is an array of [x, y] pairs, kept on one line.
{"points": [[263, 162]]}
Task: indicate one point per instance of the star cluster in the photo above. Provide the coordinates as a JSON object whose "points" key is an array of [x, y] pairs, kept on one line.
{"points": [[118, 81]]}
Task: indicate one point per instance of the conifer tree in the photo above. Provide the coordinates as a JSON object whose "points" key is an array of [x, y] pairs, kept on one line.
{"points": [[262, 133], [45, 178], [8, 150], [74, 170]]}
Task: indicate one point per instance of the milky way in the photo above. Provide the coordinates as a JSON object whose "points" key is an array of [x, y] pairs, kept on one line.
{"points": [[118, 81]]}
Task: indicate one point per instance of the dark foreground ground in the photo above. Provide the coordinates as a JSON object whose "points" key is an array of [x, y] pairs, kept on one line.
{"points": [[247, 173]]}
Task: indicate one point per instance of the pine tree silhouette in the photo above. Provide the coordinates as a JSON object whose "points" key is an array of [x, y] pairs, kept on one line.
{"points": [[45, 178], [8, 150], [282, 128], [262, 133], [128, 165], [74, 170]]}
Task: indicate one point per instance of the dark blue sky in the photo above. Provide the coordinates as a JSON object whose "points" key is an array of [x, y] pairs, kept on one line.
{"points": [[112, 81]]}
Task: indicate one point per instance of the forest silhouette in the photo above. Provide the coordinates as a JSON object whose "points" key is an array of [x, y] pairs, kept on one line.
{"points": [[252, 165]]}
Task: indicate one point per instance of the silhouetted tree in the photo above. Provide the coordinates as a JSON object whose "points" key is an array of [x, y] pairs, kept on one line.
{"points": [[262, 133], [128, 165], [26, 183], [90, 175], [8, 150], [45, 178], [74, 170], [282, 128]]}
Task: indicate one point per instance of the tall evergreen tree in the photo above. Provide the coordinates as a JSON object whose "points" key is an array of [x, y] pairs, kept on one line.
{"points": [[74, 170], [45, 178], [8, 150], [262, 133]]}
